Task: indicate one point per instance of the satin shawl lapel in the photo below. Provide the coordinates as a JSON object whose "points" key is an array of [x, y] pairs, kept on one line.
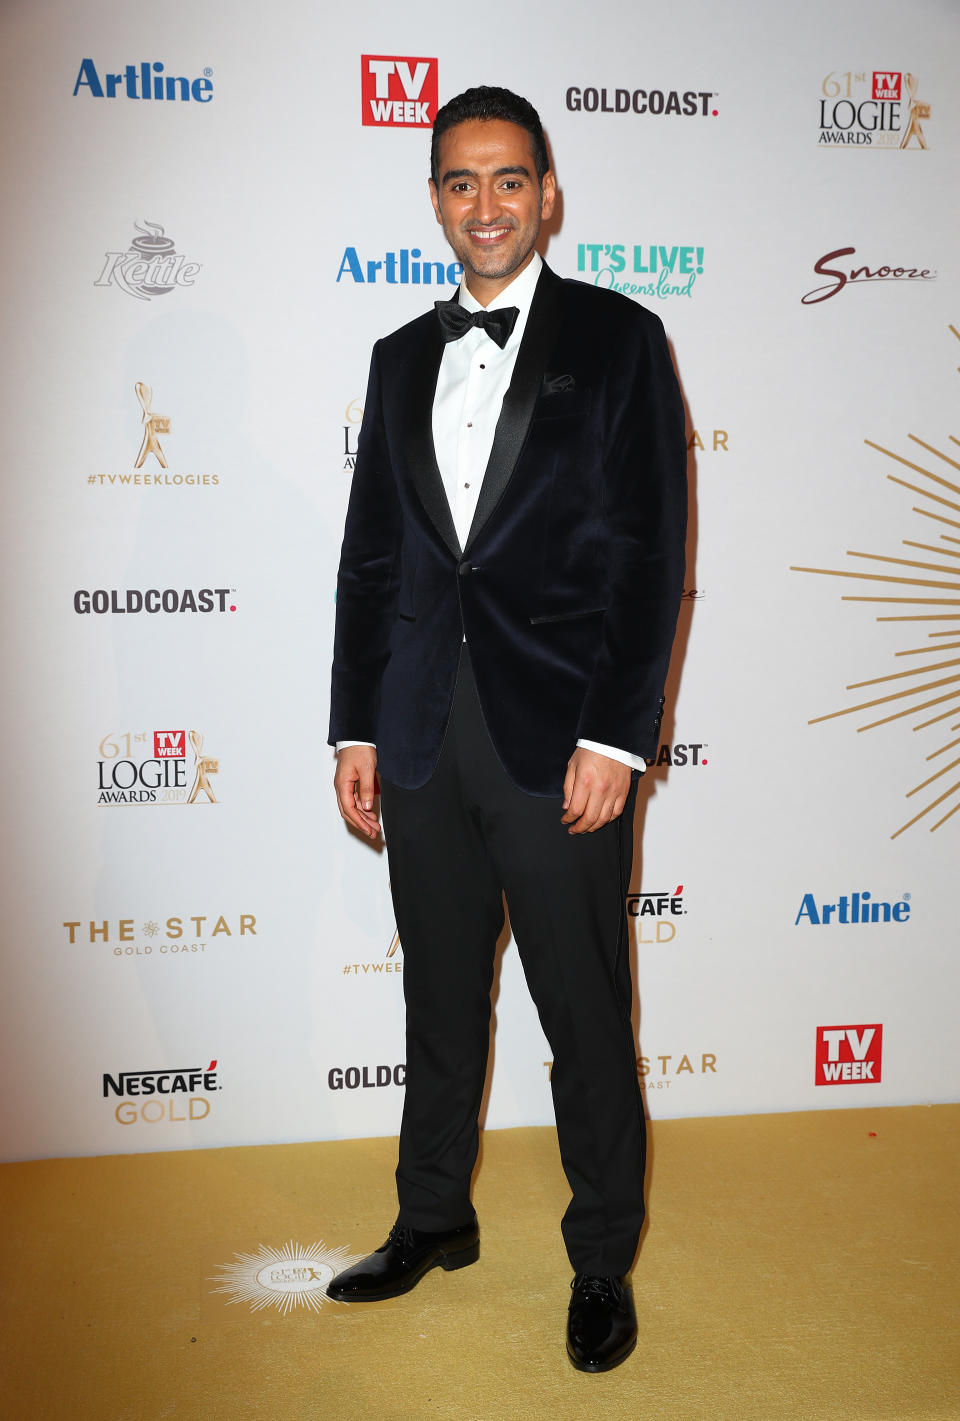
{"points": [[420, 451], [543, 324]]}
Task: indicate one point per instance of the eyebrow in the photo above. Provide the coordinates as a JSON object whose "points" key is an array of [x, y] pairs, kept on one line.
{"points": [[453, 173]]}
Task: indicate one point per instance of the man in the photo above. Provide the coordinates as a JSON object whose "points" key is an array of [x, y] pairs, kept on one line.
{"points": [[509, 584]]}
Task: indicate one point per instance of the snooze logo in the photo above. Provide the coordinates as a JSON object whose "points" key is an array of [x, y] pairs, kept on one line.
{"points": [[840, 276], [398, 93]]}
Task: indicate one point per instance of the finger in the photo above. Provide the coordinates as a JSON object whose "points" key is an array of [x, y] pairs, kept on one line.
{"points": [[569, 780], [348, 803], [576, 801], [589, 818], [366, 787]]}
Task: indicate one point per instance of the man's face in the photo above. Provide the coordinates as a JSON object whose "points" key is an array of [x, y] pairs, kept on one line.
{"points": [[489, 202]]}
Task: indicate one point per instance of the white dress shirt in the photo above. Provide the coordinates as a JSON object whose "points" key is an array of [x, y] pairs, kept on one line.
{"points": [[474, 376]]}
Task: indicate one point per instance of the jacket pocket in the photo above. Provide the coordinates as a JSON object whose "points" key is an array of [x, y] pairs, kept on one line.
{"points": [[569, 616]]}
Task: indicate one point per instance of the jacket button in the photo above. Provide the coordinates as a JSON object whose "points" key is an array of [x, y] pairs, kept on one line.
{"points": [[464, 569]]}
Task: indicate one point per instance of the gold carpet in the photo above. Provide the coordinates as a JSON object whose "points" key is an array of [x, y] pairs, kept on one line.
{"points": [[797, 1266]]}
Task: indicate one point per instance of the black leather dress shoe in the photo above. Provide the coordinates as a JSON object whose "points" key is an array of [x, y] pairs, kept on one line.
{"points": [[602, 1325], [400, 1263]]}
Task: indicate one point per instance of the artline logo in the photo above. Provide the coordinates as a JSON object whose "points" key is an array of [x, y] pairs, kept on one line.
{"points": [[153, 426], [691, 103], [181, 1081], [840, 276], [679, 755], [354, 417], [848, 1055], [174, 933], [869, 109], [663, 908], [146, 80], [398, 93], [401, 268], [171, 599], [691, 1063], [670, 271], [149, 267], [365, 1077], [858, 908], [160, 777], [285, 1278]]}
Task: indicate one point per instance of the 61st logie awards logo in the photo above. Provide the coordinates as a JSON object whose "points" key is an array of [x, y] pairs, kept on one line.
{"points": [[872, 109], [153, 769], [917, 592]]}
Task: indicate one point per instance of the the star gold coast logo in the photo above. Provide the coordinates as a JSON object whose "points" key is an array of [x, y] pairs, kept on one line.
{"points": [[925, 695], [283, 1278]]}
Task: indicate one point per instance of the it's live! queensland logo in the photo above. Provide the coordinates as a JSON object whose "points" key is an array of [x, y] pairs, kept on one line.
{"points": [[642, 269], [397, 91]]}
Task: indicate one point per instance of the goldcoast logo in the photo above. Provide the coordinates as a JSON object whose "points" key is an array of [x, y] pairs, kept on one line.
{"points": [[919, 590]]}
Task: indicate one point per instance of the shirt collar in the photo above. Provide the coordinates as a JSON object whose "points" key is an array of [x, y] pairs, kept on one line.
{"points": [[519, 293]]}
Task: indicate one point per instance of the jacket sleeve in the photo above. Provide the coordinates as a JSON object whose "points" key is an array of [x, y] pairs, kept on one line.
{"points": [[645, 508], [368, 580]]}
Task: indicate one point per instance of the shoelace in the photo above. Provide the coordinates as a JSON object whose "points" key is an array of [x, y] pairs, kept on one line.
{"points": [[401, 1237], [586, 1286]]}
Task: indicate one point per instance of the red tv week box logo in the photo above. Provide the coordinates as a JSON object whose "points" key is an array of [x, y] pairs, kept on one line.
{"points": [[848, 1055], [398, 93], [169, 745], [886, 86]]}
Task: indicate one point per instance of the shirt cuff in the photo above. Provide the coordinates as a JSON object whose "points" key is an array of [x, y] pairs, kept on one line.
{"points": [[345, 744], [634, 761]]}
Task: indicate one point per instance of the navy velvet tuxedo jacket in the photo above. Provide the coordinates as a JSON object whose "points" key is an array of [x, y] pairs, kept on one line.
{"points": [[569, 584]]}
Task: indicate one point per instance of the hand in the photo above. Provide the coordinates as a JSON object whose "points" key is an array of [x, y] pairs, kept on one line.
{"points": [[595, 790], [355, 784]]}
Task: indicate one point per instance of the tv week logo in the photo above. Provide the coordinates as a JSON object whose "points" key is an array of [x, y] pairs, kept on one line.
{"points": [[398, 93], [848, 1055], [169, 745], [886, 86]]}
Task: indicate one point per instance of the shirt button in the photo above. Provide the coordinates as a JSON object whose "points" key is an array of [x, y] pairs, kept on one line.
{"points": [[466, 485], [469, 423]]}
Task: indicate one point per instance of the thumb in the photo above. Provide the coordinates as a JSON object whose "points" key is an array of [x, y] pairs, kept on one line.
{"points": [[366, 785]]}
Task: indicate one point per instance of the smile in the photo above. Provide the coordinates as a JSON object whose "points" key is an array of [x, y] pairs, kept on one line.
{"points": [[492, 234]]}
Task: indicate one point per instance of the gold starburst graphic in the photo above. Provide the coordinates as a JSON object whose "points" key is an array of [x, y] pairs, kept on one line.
{"points": [[927, 692], [285, 1278]]}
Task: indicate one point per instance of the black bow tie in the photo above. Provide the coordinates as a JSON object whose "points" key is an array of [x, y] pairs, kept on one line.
{"points": [[455, 320]]}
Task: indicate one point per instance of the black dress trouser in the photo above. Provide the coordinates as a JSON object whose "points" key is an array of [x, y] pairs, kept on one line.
{"points": [[456, 846]]}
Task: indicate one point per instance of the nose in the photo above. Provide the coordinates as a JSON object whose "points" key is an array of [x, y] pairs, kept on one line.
{"points": [[486, 208]]}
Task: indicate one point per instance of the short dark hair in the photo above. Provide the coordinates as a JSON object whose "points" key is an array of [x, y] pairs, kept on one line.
{"points": [[484, 103]]}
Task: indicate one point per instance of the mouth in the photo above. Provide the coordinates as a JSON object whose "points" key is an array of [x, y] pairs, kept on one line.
{"points": [[488, 236]]}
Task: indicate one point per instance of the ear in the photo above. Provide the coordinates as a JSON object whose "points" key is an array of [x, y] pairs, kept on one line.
{"points": [[549, 195], [435, 199]]}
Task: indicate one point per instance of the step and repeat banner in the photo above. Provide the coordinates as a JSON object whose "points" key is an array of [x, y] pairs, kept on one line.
{"points": [[209, 216]]}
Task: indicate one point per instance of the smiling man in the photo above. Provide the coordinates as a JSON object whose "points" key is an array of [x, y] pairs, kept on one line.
{"points": [[509, 583]]}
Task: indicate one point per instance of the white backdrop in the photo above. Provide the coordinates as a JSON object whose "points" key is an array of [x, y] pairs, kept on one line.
{"points": [[256, 932]]}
